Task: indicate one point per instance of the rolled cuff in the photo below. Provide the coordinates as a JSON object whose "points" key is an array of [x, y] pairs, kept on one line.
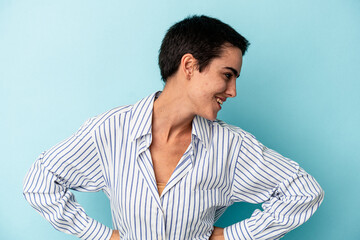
{"points": [[95, 230]]}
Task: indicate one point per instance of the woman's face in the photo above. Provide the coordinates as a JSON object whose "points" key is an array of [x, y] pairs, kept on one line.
{"points": [[210, 88]]}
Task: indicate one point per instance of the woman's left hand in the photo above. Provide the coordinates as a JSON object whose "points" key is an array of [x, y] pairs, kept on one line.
{"points": [[217, 234]]}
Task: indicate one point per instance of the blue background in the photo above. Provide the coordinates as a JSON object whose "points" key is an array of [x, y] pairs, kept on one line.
{"points": [[62, 62]]}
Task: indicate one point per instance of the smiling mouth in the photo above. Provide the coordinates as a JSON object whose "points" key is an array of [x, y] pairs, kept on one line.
{"points": [[219, 101]]}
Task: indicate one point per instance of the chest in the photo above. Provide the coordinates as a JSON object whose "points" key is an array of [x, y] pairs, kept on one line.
{"points": [[165, 158], [197, 188]]}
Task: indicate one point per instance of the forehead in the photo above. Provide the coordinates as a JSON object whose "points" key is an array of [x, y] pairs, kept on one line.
{"points": [[231, 53], [230, 57]]}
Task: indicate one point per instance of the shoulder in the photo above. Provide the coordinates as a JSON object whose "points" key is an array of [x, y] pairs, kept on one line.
{"points": [[123, 115], [234, 131], [116, 114], [231, 129]]}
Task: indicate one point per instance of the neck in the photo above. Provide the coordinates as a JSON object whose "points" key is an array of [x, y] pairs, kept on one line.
{"points": [[171, 116]]}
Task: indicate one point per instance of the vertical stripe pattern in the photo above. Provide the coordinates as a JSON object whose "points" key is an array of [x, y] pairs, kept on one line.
{"points": [[223, 164]]}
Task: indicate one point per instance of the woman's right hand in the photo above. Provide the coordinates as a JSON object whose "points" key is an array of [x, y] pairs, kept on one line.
{"points": [[115, 235]]}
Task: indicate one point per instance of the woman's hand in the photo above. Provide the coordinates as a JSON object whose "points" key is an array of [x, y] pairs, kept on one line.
{"points": [[217, 234], [115, 235]]}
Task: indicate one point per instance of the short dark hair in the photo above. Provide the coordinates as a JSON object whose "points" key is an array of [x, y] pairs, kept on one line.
{"points": [[202, 36]]}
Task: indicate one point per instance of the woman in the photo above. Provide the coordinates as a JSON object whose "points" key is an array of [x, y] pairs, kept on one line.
{"points": [[168, 166]]}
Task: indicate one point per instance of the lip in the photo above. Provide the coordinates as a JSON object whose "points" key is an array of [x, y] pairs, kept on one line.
{"points": [[222, 99]]}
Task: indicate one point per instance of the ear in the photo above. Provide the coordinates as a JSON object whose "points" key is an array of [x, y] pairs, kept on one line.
{"points": [[188, 65]]}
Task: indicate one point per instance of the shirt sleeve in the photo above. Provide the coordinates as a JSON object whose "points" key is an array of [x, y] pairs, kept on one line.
{"points": [[71, 164], [290, 196]]}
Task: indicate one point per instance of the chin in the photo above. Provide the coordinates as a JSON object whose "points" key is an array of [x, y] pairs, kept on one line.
{"points": [[208, 113], [210, 117]]}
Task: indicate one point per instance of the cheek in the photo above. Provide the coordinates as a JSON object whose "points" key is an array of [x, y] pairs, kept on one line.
{"points": [[203, 89], [219, 87]]}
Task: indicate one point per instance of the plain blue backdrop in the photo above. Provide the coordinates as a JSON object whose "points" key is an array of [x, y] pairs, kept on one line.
{"points": [[62, 62]]}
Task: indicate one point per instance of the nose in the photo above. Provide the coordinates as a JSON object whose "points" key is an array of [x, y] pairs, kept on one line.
{"points": [[231, 88]]}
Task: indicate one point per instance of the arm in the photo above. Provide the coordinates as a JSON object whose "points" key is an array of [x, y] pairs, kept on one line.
{"points": [[72, 164], [289, 195]]}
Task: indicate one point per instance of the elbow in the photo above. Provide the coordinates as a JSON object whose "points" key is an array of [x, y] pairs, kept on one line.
{"points": [[26, 184], [312, 190], [317, 192], [319, 195], [313, 202], [28, 187], [35, 181]]}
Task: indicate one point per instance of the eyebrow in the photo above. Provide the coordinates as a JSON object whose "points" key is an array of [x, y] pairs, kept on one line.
{"points": [[234, 71]]}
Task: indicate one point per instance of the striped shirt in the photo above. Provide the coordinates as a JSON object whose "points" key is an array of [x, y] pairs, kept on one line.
{"points": [[223, 164]]}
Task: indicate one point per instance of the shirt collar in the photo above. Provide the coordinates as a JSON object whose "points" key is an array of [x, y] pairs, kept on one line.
{"points": [[141, 119], [202, 129]]}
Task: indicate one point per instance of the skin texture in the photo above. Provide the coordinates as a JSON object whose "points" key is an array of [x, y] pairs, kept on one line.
{"points": [[214, 81], [188, 93], [217, 234], [115, 235]]}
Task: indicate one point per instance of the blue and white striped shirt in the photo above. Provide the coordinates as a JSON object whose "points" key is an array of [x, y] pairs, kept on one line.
{"points": [[222, 165]]}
